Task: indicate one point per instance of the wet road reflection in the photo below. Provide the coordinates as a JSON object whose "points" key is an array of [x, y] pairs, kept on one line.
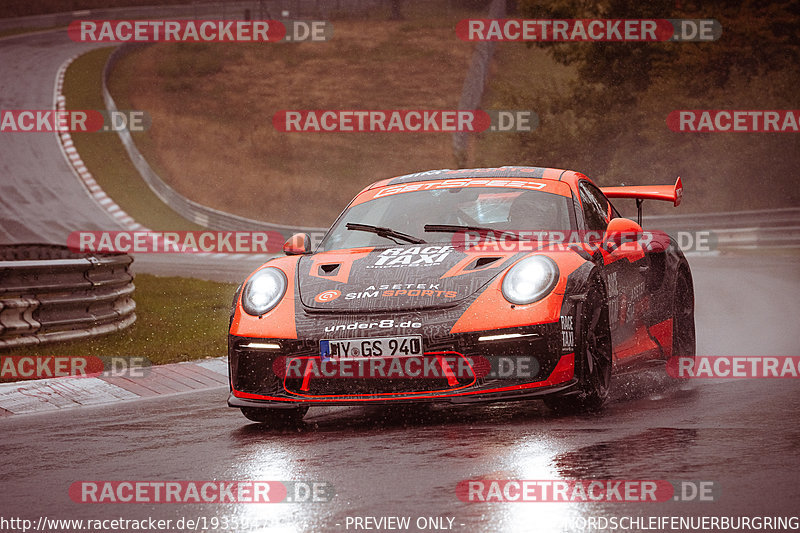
{"points": [[408, 461], [741, 435]]}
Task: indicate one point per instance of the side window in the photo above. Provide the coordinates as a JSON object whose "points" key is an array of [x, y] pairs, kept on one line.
{"points": [[595, 207]]}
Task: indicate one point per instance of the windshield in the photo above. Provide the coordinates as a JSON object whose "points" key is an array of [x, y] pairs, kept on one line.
{"points": [[496, 208]]}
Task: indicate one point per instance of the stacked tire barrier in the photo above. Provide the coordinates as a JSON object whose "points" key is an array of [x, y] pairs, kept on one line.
{"points": [[48, 294]]}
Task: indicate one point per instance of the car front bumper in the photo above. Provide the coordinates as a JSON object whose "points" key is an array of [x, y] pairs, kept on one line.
{"points": [[506, 364]]}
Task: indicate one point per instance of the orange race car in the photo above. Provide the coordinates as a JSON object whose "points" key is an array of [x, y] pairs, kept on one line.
{"points": [[462, 286]]}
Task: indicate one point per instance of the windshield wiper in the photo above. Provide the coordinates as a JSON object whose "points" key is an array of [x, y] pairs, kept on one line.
{"points": [[387, 233], [454, 228]]}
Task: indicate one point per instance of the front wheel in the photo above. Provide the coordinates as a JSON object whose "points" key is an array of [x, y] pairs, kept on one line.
{"points": [[593, 359], [275, 417]]}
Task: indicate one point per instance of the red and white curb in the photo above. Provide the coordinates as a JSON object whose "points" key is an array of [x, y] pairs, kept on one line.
{"points": [[53, 394], [93, 188], [77, 165]]}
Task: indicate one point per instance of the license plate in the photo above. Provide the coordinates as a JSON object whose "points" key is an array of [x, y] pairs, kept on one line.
{"points": [[371, 347]]}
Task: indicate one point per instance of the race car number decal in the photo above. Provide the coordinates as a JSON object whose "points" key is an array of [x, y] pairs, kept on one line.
{"points": [[370, 347]]}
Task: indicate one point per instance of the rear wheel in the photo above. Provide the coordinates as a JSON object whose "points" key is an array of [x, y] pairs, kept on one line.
{"points": [[275, 417], [683, 332], [593, 359]]}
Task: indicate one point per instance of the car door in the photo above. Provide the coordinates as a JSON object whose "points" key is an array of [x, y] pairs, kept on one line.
{"points": [[624, 270]]}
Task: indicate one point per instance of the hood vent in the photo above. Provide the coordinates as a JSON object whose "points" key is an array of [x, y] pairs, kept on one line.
{"points": [[329, 270], [482, 262]]}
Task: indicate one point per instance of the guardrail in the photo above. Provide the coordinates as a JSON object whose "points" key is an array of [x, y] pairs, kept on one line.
{"points": [[779, 227], [769, 228], [788, 216], [197, 213], [48, 294]]}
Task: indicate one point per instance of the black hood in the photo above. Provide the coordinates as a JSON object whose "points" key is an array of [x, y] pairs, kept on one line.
{"points": [[405, 277]]}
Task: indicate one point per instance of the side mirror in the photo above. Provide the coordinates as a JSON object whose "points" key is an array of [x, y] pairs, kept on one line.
{"points": [[298, 244], [623, 230]]}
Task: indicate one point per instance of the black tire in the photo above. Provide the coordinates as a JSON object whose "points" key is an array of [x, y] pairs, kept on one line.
{"points": [[683, 329], [593, 359], [275, 417]]}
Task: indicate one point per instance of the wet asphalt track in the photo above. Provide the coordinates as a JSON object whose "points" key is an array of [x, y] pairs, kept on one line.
{"points": [[41, 200], [741, 434]]}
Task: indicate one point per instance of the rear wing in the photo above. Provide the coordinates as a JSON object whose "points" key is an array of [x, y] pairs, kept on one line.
{"points": [[667, 193]]}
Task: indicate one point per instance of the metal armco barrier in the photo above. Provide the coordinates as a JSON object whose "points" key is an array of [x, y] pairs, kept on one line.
{"points": [[48, 294], [766, 218], [772, 228], [197, 213]]}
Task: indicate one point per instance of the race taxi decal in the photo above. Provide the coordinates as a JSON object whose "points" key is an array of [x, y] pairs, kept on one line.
{"points": [[415, 256]]}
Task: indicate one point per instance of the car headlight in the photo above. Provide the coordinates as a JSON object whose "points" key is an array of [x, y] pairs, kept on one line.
{"points": [[530, 280], [263, 291]]}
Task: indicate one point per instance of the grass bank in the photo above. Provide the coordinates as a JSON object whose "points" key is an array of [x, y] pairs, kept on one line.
{"points": [[177, 319], [104, 154], [212, 106]]}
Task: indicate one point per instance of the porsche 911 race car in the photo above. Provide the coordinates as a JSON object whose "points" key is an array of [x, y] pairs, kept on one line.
{"points": [[462, 286]]}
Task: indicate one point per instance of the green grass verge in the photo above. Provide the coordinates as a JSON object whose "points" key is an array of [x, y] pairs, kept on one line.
{"points": [[177, 319], [104, 154], [212, 137]]}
